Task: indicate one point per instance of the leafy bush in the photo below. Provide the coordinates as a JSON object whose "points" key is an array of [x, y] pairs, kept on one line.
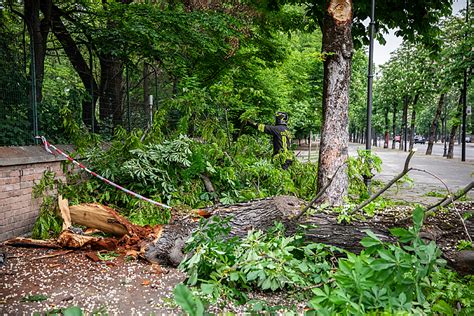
{"points": [[396, 278], [224, 266], [49, 223], [172, 171], [361, 167], [387, 277]]}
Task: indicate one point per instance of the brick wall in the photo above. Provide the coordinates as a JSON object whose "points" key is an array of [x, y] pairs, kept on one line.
{"points": [[20, 169]]}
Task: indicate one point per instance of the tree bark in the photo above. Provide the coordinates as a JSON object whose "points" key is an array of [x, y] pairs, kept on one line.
{"points": [[404, 123], [333, 151], [434, 124], [146, 85], [412, 127], [386, 132], [164, 244], [79, 64], [394, 124], [452, 136], [445, 228], [38, 30], [454, 128], [413, 121], [111, 81]]}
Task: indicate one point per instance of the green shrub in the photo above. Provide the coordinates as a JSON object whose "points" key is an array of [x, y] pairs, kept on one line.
{"points": [[49, 223]]}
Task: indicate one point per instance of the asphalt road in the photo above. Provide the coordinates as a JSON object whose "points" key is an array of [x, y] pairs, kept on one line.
{"points": [[438, 149], [454, 173]]}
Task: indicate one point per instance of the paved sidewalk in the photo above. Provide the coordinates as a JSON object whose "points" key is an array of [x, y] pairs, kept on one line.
{"points": [[454, 173]]}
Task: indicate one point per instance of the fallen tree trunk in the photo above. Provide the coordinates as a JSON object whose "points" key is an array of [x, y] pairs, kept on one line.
{"points": [[164, 244], [445, 228]]}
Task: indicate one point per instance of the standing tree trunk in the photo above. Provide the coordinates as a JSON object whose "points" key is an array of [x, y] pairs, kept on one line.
{"points": [[38, 30], [111, 80], [454, 128], [79, 64], [374, 137], [452, 136], [333, 151], [394, 124], [387, 133], [413, 121], [146, 84], [404, 123], [434, 124]]}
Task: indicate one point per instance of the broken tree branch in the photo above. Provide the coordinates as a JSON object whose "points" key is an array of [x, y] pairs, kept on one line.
{"points": [[52, 255], [451, 198], [405, 170], [320, 193], [435, 176]]}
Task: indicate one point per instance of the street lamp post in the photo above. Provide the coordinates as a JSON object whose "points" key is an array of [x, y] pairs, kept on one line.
{"points": [[444, 127], [464, 100], [370, 77]]}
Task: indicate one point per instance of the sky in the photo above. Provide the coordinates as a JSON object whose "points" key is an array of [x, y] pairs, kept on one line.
{"points": [[382, 53]]}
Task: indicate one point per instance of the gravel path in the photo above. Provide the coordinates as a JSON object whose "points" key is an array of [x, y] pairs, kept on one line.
{"points": [[121, 287]]}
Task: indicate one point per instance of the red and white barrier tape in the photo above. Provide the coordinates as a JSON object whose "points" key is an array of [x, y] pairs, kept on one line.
{"points": [[47, 147]]}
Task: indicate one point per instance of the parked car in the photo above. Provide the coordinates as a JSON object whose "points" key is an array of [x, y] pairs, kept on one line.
{"points": [[397, 138], [419, 139], [468, 139]]}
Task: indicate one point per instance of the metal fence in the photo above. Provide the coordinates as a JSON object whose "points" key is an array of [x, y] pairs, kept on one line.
{"points": [[16, 112], [22, 116]]}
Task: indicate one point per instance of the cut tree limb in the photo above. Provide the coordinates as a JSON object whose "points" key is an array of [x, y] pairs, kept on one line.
{"points": [[131, 237], [65, 212]]}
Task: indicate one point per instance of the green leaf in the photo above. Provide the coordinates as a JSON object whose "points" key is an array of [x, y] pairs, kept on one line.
{"points": [[187, 301], [207, 288], [266, 284], [72, 311], [372, 235], [252, 275], [443, 308], [387, 255], [234, 276], [418, 215], [369, 242], [381, 265], [403, 234]]}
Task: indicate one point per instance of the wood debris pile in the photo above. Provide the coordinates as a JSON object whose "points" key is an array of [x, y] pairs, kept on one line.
{"points": [[129, 239]]}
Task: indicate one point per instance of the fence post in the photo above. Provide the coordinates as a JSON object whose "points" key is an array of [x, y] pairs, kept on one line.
{"points": [[33, 90]]}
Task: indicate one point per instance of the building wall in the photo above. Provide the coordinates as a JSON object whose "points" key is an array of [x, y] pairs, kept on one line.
{"points": [[20, 169]]}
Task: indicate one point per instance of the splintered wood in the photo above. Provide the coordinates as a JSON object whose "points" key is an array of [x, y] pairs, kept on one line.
{"points": [[128, 237]]}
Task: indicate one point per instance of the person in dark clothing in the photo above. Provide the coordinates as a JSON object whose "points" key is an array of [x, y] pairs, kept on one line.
{"points": [[280, 136]]}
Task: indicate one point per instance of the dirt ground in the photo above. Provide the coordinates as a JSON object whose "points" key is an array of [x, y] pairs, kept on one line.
{"points": [[120, 287]]}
